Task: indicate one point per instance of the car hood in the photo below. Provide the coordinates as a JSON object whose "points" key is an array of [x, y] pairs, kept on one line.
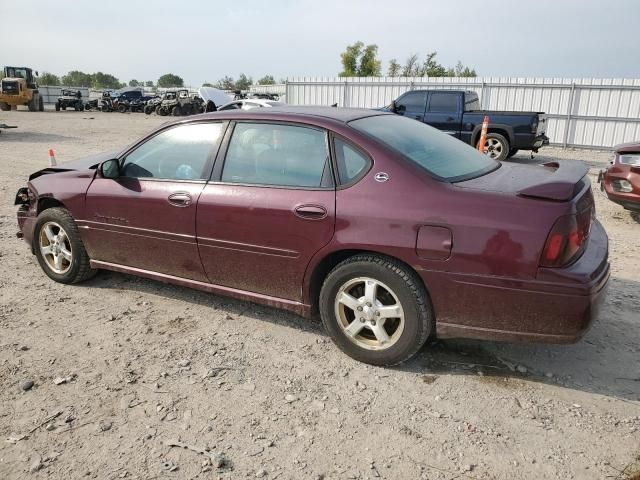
{"points": [[215, 95], [551, 181], [84, 163]]}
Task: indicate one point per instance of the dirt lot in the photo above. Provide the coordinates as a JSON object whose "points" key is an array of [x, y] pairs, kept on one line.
{"points": [[123, 367]]}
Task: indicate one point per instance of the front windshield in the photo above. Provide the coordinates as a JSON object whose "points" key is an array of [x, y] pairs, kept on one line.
{"points": [[443, 156], [630, 159], [17, 72]]}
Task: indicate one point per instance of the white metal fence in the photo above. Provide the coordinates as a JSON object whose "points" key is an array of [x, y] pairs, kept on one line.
{"points": [[583, 112], [50, 94]]}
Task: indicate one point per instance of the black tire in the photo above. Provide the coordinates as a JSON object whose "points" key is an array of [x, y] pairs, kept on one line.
{"points": [[79, 268], [64, 107], [512, 152], [32, 105], [57, 107], [5, 107], [176, 111], [40, 104], [161, 111], [122, 108], [410, 292], [148, 109], [500, 148]]}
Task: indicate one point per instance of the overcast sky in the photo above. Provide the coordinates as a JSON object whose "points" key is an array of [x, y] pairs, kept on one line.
{"points": [[205, 40]]}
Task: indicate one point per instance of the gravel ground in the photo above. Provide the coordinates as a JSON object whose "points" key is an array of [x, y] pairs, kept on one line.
{"points": [[137, 379]]}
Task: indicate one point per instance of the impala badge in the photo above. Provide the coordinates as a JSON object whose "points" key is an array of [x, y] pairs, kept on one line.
{"points": [[381, 177]]}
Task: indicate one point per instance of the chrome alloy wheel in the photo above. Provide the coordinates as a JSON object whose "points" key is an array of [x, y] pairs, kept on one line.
{"points": [[55, 247], [493, 148], [369, 313]]}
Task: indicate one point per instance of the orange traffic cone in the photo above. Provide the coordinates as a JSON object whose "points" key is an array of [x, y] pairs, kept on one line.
{"points": [[483, 134], [52, 158]]}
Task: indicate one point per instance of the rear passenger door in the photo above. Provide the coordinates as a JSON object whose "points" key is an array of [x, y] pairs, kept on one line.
{"points": [[444, 112], [269, 207], [412, 105]]}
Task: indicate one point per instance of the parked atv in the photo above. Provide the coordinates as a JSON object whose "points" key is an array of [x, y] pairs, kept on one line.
{"points": [[70, 99], [176, 103], [151, 105]]}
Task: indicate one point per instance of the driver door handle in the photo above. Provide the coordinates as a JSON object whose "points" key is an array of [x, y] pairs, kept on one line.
{"points": [[179, 199]]}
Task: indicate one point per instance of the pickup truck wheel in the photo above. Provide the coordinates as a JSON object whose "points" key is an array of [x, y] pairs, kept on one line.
{"points": [[376, 309], [59, 249], [496, 147], [57, 107], [512, 152]]}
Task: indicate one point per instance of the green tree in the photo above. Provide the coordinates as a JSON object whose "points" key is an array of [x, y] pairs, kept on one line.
{"points": [[349, 59], [135, 83], [267, 80], [431, 67], [226, 83], [360, 61], [148, 83], [169, 80], [394, 68], [369, 63], [463, 71], [48, 79], [207, 84], [101, 80], [76, 78], [410, 66], [243, 82]]}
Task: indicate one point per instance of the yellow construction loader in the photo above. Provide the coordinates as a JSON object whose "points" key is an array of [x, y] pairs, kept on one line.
{"points": [[19, 87]]}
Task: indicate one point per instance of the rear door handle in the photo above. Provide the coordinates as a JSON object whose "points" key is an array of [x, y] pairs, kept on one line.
{"points": [[179, 199], [311, 212]]}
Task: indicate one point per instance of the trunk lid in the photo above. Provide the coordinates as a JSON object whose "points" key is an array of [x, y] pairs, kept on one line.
{"points": [[550, 181]]}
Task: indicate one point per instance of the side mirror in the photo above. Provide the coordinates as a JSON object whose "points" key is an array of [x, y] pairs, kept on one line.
{"points": [[393, 107], [400, 109], [110, 168]]}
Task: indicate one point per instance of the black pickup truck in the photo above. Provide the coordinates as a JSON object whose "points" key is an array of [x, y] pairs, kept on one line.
{"points": [[458, 113]]}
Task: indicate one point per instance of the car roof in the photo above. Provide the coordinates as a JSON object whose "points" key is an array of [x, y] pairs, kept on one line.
{"points": [[631, 147], [339, 114]]}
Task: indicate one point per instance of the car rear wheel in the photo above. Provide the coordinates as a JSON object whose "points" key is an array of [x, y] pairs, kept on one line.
{"points": [[376, 310], [496, 146], [176, 111], [59, 249], [57, 107]]}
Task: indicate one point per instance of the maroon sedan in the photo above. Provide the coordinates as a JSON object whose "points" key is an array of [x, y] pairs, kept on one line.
{"points": [[621, 180], [390, 229]]}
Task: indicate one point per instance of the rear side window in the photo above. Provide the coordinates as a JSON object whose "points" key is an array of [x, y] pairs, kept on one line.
{"points": [[444, 157], [350, 161], [273, 154], [443, 102], [179, 153]]}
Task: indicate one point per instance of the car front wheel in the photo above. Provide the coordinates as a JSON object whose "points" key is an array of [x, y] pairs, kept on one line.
{"points": [[376, 309], [59, 249]]}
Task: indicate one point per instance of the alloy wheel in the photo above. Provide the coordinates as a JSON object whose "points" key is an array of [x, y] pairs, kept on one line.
{"points": [[369, 313], [55, 247]]}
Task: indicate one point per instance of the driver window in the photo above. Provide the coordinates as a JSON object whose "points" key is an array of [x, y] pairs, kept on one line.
{"points": [[180, 153]]}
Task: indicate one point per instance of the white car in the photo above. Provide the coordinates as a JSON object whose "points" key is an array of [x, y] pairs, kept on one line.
{"points": [[249, 103]]}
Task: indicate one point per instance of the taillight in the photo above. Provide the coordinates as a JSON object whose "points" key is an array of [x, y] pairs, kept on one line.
{"points": [[567, 239]]}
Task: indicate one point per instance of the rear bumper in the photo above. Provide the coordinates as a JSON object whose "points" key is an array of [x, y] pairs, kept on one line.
{"points": [[557, 307], [539, 142]]}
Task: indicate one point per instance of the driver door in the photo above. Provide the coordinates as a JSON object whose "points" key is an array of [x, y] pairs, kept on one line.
{"points": [[146, 218]]}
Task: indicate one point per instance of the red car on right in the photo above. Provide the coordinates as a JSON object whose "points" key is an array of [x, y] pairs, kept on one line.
{"points": [[621, 180]]}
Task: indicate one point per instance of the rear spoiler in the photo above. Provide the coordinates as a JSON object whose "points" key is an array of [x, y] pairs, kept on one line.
{"points": [[561, 185]]}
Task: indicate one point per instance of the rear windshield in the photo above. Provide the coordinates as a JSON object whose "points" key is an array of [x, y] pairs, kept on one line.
{"points": [[444, 157], [630, 159]]}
